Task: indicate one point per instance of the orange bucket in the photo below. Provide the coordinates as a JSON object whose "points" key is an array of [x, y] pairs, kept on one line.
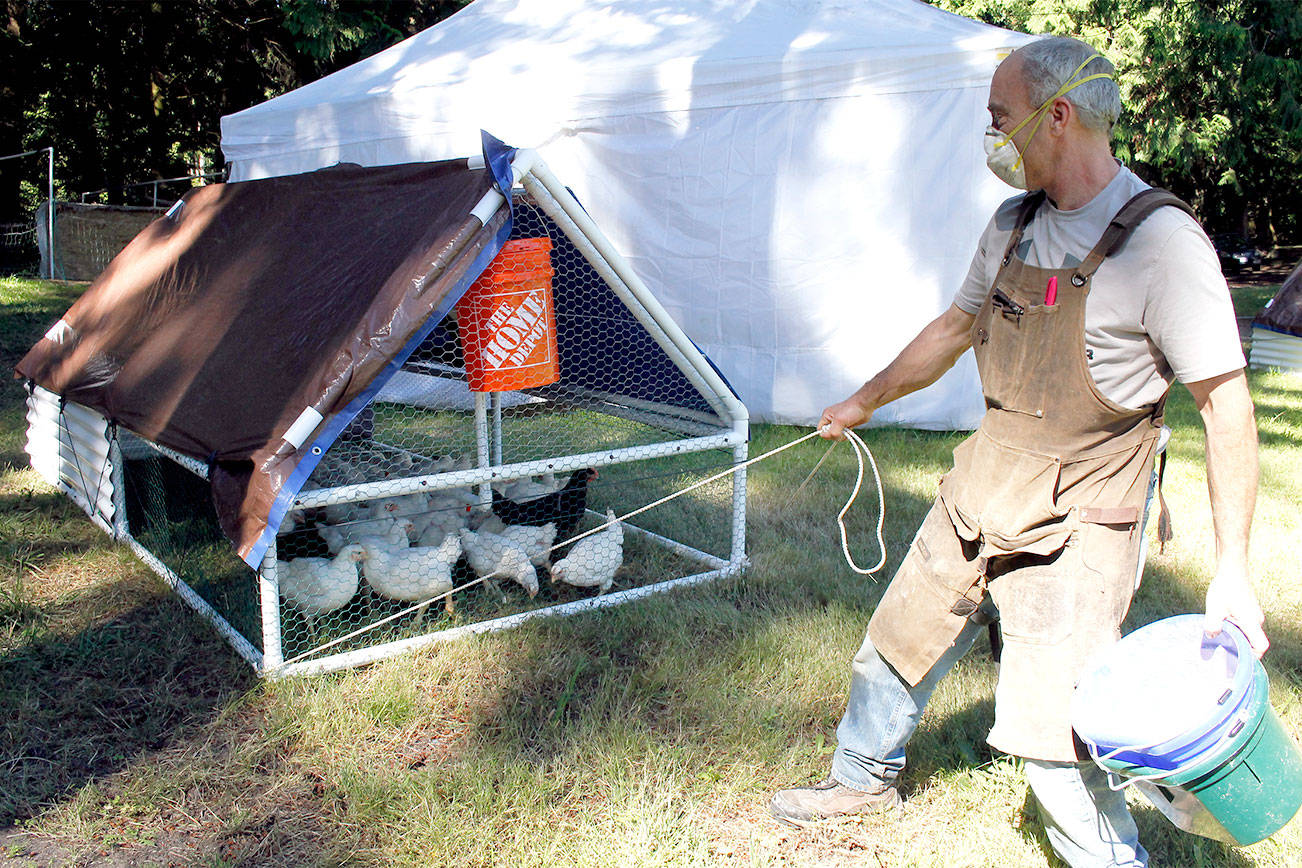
{"points": [[507, 323]]}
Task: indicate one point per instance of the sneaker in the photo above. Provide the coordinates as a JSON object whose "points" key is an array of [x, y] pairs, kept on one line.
{"points": [[830, 798]]}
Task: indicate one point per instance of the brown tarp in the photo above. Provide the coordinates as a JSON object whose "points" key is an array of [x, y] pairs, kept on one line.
{"points": [[1284, 312], [216, 327]]}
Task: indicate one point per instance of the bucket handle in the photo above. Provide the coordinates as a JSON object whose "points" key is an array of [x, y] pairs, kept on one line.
{"points": [[1156, 777], [1127, 780]]}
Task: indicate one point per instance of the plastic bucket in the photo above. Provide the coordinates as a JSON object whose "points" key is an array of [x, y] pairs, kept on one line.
{"points": [[1190, 716], [507, 323], [1165, 694]]}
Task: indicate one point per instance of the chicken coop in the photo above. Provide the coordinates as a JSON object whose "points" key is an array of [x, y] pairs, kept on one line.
{"points": [[354, 412]]}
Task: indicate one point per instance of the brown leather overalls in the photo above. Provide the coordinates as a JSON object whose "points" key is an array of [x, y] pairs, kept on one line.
{"points": [[1041, 510]]}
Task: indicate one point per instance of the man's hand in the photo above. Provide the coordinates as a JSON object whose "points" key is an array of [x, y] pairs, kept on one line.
{"points": [[1230, 598], [849, 413]]}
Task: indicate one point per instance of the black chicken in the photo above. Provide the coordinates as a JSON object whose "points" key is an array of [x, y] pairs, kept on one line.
{"points": [[565, 507]]}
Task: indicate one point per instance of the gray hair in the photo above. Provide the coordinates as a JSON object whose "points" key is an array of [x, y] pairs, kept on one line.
{"points": [[1046, 64]]}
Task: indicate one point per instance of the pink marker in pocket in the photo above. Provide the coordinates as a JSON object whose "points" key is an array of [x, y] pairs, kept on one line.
{"points": [[1051, 291]]}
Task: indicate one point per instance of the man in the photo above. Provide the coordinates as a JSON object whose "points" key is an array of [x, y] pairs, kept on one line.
{"points": [[1085, 299]]}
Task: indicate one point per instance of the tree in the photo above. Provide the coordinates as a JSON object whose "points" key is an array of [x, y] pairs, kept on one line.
{"points": [[1211, 91], [128, 91]]}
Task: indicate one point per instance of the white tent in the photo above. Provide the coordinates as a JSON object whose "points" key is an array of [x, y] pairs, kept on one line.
{"points": [[800, 182]]}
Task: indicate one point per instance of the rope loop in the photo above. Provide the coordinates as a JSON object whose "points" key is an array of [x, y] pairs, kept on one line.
{"points": [[860, 450]]}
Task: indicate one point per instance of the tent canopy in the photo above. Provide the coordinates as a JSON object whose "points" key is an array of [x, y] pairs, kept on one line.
{"points": [[1283, 313], [801, 182]]}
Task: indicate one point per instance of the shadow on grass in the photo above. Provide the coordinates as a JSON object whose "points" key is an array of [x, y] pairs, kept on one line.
{"points": [[603, 671], [141, 738], [85, 705]]}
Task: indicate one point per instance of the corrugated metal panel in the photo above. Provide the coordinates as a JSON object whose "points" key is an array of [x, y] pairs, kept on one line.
{"points": [[1271, 349], [70, 449]]}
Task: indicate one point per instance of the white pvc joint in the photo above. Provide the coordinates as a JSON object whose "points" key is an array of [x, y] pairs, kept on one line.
{"points": [[487, 206], [303, 427]]}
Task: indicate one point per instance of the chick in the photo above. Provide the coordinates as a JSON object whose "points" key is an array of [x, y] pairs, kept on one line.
{"points": [[593, 560]]}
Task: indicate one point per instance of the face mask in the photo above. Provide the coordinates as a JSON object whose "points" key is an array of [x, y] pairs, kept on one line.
{"points": [[1002, 156]]}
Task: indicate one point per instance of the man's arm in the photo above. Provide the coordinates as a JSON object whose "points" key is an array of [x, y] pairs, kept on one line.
{"points": [[933, 352], [1231, 430]]}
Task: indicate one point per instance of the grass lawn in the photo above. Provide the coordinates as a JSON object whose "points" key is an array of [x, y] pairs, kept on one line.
{"points": [[652, 734]]}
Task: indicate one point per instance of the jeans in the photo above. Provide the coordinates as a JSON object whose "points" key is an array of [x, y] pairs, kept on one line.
{"points": [[1087, 823]]}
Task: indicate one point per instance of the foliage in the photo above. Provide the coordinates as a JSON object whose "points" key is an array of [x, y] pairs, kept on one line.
{"points": [[1211, 91], [129, 91]]}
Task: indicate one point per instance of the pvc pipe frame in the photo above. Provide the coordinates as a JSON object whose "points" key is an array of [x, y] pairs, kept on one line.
{"points": [[558, 204], [363, 656], [529, 170], [612, 267]]}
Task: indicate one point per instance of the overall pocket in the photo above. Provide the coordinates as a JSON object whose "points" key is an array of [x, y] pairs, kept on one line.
{"points": [[1006, 496], [1009, 349]]}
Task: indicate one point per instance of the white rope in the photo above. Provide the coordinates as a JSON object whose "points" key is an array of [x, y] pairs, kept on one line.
{"points": [[731, 470], [860, 450]]}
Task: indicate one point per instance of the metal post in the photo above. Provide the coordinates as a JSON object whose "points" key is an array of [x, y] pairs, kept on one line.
{"points": [[49, 223], [481, 443]]}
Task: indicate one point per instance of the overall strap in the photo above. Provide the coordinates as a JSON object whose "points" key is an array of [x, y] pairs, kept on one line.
{"points": [[1030, 204], [1123, 223]]}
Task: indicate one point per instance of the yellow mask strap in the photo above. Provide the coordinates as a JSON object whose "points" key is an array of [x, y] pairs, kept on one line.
{"points": [[1039, 112]]}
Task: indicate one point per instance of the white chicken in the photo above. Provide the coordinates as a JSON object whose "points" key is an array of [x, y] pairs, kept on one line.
{"points": [[343, 513], [527, 488], [397, 537], [397, 465], [446, 512], [594, 559], [492, 555], [412, 574], [400, 505], [337, 536], [318, 586], [536, 541], [484, 521], [422, 466]]}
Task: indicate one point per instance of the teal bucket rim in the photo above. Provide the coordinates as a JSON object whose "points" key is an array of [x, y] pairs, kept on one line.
{"points": [[1225, 749]]}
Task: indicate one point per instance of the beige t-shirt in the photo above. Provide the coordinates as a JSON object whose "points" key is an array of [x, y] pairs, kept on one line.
{"points": [[1158, 308]]}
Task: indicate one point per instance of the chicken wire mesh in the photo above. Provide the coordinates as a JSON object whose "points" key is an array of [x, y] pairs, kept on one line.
{"points": [[542, 364], [168, 509]]}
